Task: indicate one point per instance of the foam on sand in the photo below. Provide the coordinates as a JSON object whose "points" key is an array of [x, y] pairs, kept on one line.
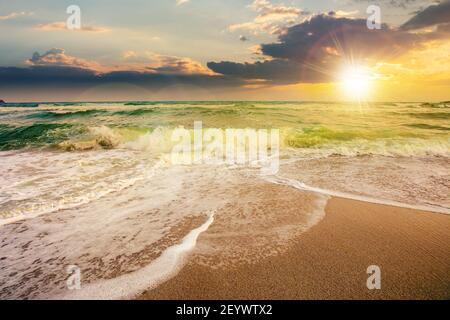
{"points": [[301, 186], [34, 184], [160, 270]]}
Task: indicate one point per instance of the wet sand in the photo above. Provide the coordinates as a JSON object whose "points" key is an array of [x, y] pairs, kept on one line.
{"points": [[330, 260]]}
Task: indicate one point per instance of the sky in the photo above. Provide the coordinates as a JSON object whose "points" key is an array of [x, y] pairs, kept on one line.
{"points": [[225, 50]]}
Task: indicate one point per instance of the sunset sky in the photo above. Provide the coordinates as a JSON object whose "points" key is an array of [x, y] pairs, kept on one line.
{"points": [[225, 50]]}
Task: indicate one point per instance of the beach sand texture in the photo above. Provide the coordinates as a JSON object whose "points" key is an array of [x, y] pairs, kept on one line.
{"points": [[330, 260]]}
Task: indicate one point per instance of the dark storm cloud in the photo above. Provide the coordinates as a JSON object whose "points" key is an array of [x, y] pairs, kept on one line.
{"points": [[311, 51], [430, 16], [56, 69], [277, 71], [44, 76], [313, 39], [443, 29]]}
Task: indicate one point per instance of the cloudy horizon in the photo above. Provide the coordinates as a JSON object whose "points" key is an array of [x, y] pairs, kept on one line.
{"points": [[216, 50]]}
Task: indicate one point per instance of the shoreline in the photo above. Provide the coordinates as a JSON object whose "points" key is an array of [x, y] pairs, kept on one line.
{"points": [[330, 260]]}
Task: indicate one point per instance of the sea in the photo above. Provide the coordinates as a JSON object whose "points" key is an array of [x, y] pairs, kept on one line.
{"points": [[92, 186]]}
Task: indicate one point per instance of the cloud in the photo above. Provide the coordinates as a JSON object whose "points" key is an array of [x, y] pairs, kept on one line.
{"points": [[176, 65], [443, 28], [265, 8], [271, 18], [430, 16], [129, 54], [342, 13], [14, 15], [315, 50], [158, 63], [181, 2], [275, 71], [311, 51], [57, 57], [72, 78], [56, 69], [147, 62], [61, 25], [404, 4], [314, 39]]}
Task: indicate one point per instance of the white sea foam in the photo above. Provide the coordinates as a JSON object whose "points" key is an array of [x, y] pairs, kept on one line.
{"points": [[35, 184], [159, 271], [301, 186]]}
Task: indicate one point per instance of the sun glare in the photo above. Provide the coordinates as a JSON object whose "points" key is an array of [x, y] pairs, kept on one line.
{"points": [[355, 81]]}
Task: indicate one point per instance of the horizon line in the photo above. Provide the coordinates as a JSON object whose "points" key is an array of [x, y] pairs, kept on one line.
{"points": [[230, 100]]}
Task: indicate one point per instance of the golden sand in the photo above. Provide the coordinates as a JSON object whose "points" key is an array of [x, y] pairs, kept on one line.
{"points": [[330, 260]]}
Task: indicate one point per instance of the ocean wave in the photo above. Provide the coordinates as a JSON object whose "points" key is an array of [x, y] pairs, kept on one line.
{"points": [[443, 104], [310, 128], [37, 134], [136, 112], [36, 183], [427, 126], [98, 137], [431, 115], [141, 103], [314, 141], [48, 115], [61, 104], [20, 105], [381, 147], [320, 142], [320, 135]]}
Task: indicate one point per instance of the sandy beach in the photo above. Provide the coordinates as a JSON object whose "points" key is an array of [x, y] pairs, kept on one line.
{"points": [[330, 260], [93, 188]]}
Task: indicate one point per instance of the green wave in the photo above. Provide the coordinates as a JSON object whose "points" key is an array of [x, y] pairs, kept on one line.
{"points": [[33, 135], [48, 115], [138, 112], [141, 103], [316, 136]]}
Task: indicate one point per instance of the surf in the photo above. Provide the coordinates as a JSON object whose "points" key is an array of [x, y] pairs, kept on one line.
{"points": [[301, 186], [160, 270]]}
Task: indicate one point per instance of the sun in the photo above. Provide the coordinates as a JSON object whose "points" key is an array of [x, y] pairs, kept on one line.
{"points": [[356, 82]]}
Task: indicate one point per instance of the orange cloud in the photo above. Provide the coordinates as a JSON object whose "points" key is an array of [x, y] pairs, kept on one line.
{"points": [[157, 63], [148, 62], [14, 15], [58, 58], [61, 25], [271, 18]]}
